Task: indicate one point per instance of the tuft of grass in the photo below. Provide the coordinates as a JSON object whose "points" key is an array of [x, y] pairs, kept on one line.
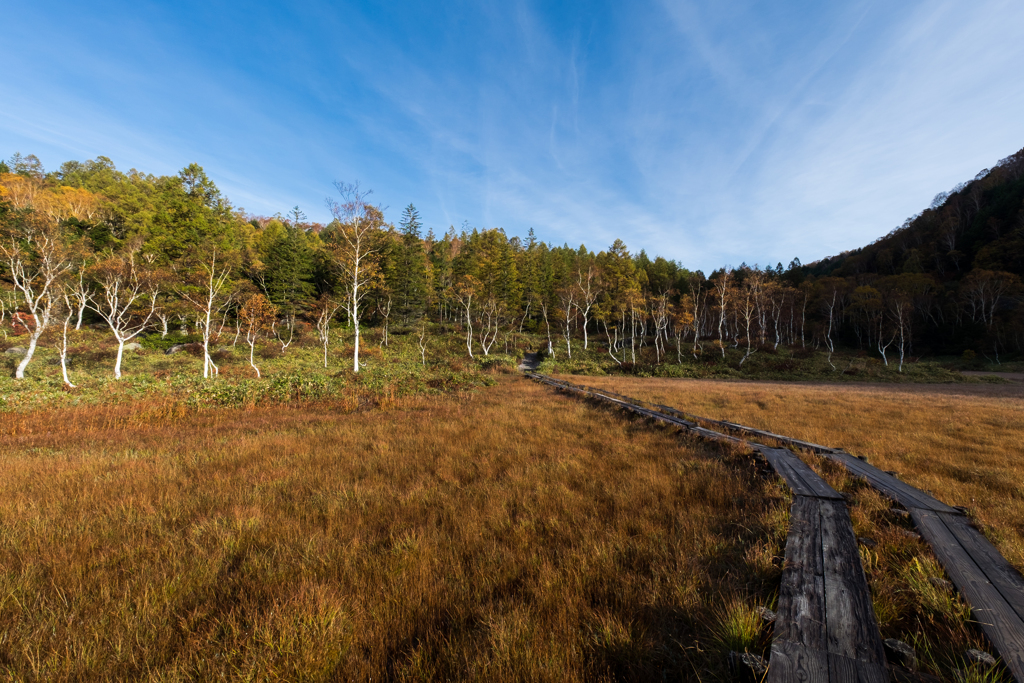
{"points": [[974, 673], [739, 628], [933, 599]]}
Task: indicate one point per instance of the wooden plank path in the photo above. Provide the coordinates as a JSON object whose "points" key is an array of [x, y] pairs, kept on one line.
{"points": [[985, 579], [825, 627], [989, 584]]}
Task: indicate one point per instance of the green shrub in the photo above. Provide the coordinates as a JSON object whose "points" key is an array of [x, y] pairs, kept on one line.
{"points": [[154, 342]]}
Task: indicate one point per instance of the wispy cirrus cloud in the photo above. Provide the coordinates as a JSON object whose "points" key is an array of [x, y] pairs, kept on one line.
{"points": [[705, 132]]}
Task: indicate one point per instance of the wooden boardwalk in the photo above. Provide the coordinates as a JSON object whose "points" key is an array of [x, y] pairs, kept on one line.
{"points": [[992, 588], [986, 580], [825, 627]]}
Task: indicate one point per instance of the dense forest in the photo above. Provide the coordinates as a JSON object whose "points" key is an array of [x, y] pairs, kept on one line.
{"points": [[89, 244]]}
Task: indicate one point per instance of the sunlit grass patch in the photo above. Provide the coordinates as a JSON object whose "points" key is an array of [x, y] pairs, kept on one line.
{"points": [[506, 534]]}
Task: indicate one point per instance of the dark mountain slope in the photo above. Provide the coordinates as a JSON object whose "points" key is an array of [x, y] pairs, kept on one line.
{"points": [[977, 225]]}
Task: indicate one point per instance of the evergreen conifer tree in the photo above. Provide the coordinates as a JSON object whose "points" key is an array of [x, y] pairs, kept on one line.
{"points": [[412, 260]]}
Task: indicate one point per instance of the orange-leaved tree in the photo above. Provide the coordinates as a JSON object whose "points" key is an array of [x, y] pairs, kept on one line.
{"points": [[257, 315]]}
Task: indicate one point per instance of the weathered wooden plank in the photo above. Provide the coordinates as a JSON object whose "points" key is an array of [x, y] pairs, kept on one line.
{"points": [[825, 629], [904, 493], [782, 466], [845, 670], [801, 609], [794, 662], [690, 427], [802, 480], [747, 431], [788, 440], [849, 613], [1001, 573], [1000, 623]]}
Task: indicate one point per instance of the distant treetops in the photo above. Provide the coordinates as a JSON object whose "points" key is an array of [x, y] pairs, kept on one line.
{"points": [[138, 251]]}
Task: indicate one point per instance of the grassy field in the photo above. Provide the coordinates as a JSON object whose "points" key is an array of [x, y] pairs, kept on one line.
{"points": [[447, 520], [960, 442], [295, 374], [767, 364], [395, 368], [504, 534]]}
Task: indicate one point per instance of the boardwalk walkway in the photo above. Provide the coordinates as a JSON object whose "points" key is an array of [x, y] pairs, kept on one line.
{"points": [[985, 579], [989, 584], [825, 628]]}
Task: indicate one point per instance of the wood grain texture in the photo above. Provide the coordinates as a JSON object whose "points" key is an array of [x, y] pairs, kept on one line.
{"points": [[800, 617], [888, 485], [850, 615], [825, 627], [800, 478], [793, 662], [993, 613], [1006, 579], [845, 670]]}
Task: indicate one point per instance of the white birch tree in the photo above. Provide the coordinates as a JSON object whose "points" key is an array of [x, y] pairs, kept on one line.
{"points": [[80, 292], [355, 249], [67, 312], [587, 294], [325, 310], [124, 289], [36, 257], [257, 315], [721, 284], [465, 291], [209, 294]]}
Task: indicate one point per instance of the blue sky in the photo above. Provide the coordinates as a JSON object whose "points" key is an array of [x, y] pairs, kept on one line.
{"points": [[712, 133]]}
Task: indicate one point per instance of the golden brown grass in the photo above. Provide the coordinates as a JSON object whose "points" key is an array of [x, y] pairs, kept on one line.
{"points": [[503, 535], [961, 443]]}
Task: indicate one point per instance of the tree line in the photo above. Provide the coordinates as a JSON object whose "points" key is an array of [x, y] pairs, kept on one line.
{"points": [[953, 271], [143, 253]]}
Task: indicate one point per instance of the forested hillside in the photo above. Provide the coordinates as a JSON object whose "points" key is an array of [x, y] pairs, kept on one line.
{"points": [[958, 265], [142, 254]]}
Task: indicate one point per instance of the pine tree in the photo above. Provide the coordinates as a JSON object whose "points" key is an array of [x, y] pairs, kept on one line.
{"points": [[288, 266], [411, 277]]}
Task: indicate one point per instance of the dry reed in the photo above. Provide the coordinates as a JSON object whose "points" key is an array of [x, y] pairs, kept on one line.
{"points": [[962, 443], [505, 535]]}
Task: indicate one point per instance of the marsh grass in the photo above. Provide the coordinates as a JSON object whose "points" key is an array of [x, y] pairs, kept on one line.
{"points": [[784, 363], [740, 628], [932, 439], [960, 443], [504, 534]]}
